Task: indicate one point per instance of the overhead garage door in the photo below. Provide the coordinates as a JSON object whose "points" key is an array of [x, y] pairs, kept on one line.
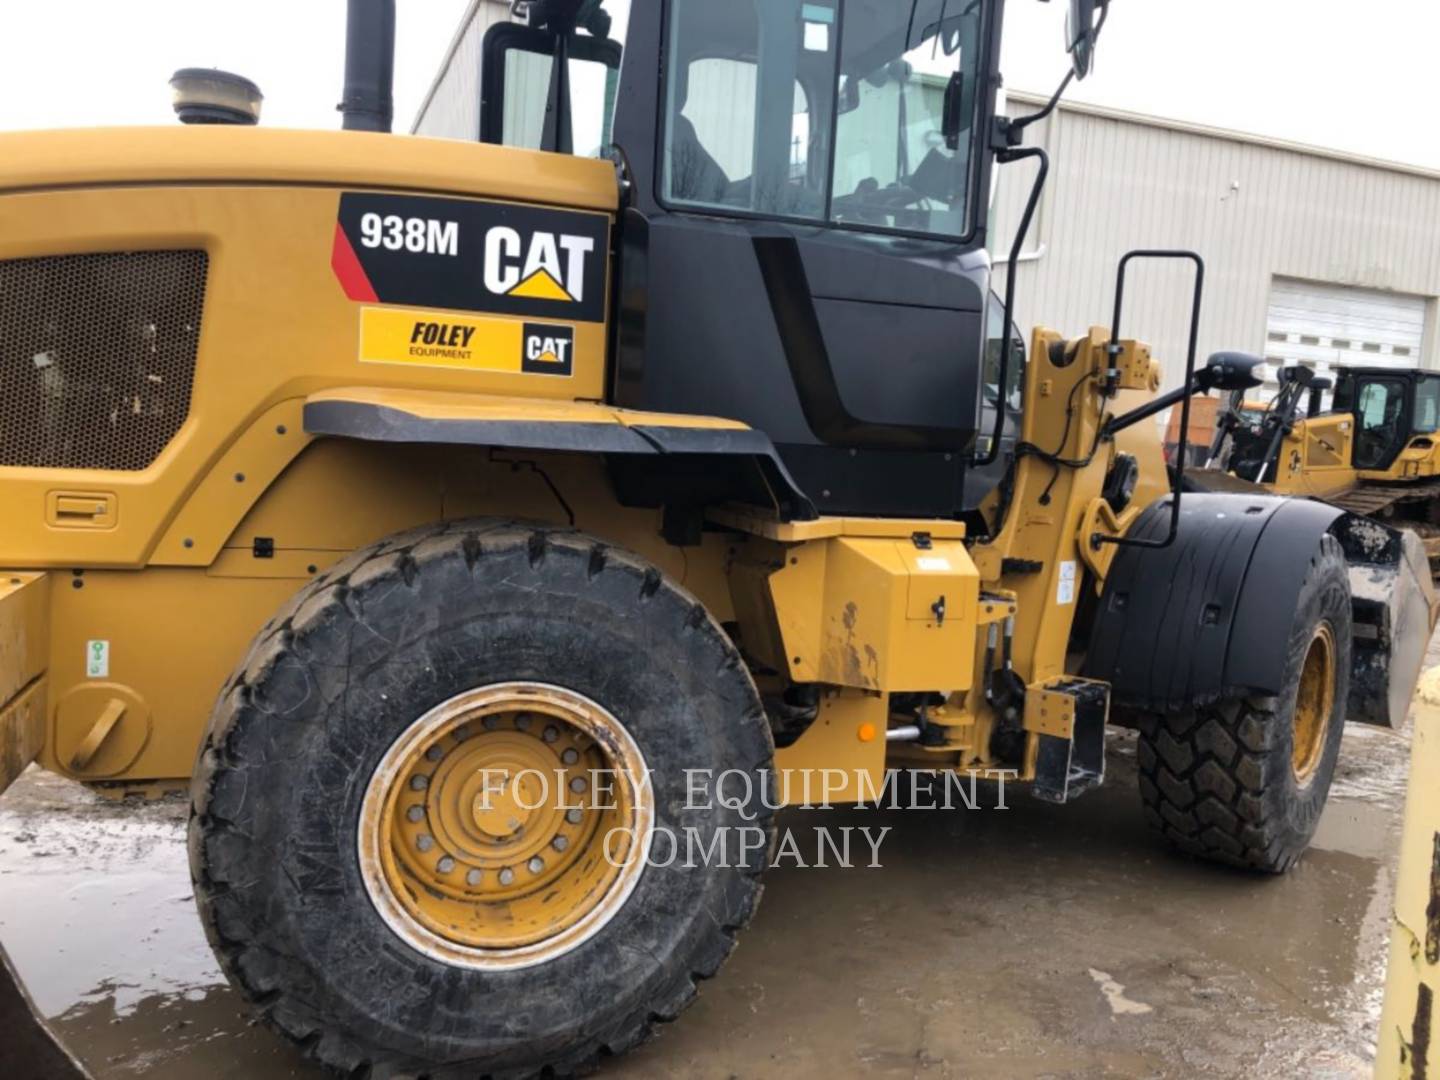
{"points": [[1329, 326]]}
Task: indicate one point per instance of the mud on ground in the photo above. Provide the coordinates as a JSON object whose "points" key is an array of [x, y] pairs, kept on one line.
{"points": [[1036, 941]]}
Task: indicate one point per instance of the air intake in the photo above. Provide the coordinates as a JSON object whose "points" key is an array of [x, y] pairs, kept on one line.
{"points": [[97, 357]]}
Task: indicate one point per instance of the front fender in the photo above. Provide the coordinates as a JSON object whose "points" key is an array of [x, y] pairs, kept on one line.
{"points": [[1209, 617]]}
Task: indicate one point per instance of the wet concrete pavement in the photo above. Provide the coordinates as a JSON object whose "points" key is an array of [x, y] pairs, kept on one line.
{"points": [[1035, 941]]}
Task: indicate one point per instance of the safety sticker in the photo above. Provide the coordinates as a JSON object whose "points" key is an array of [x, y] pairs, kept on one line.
{"points": [[97, 659], [465, 342], [1065, 591]]}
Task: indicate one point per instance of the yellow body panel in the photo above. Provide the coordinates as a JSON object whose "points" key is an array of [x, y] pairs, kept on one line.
{"points": [[1410, 1021], [1420, 460], [277, 329], [176, 633], [876, 625], [24, 660], [1315, 457], [228, 155]]}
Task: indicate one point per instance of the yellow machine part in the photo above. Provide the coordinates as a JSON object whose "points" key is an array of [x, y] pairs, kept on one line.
{"points": [[277, 325], [1409, 1044], [173, 634], [1315, 457], [24, 660], [865, 608]]}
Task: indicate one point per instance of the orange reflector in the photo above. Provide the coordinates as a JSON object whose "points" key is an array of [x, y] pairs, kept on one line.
{"points": [[866, 733]]}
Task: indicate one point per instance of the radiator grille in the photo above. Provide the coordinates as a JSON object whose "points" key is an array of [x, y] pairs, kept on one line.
{"points": [[97, 356]]}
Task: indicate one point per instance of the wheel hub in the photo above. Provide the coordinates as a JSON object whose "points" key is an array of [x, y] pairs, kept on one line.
{"points": [[1314, 702], [506, 825]]}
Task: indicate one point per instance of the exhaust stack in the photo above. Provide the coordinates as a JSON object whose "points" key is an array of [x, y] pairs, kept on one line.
{"points": [[369, 103]]}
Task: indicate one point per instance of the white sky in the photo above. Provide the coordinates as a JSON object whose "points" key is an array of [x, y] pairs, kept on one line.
{"points": [[1355, 76]]}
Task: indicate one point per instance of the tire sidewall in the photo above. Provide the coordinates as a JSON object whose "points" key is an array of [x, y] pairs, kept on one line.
{"points": [[365, 669], [1324, 598]]}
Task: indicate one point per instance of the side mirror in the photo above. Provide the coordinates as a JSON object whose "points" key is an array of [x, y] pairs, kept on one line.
{"points": [[1231, 371], [1080, 36]]}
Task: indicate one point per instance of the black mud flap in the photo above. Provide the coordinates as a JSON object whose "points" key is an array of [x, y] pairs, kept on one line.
{"points": [[1208, 618]]}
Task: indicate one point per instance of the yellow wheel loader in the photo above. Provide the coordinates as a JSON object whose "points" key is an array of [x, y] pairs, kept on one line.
{"points": [[1375, 452], [495, 538]]}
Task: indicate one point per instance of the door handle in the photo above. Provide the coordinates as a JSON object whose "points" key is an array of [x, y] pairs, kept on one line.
{"points": [[80, 509]]}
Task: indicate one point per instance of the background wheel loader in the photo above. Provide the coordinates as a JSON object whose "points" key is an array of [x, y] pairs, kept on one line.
{"points": [[1374, 452], [485, 496]]}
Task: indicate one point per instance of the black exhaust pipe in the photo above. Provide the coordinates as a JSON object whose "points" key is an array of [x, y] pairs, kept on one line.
{"points": [[369, 101]]}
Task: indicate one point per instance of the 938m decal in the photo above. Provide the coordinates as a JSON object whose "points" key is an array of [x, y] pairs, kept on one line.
{"points": [[467, 255]]}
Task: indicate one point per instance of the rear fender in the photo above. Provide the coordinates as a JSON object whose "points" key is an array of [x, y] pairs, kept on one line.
{"points": [[654, 459]]}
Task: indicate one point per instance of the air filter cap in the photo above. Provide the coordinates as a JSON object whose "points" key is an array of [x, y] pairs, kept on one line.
{"points": [[212, 96]]}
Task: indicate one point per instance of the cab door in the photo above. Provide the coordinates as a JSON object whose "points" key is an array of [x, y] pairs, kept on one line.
{"points": [[804, 249], [1382, 420]]}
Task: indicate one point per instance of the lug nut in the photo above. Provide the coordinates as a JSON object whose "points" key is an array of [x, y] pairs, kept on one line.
{"points": [[472, 878], [419, 782], [424, 841], [507, 876], [491, 723], [522, 722], [434, 753], [559, 843], [415, 813], [578, 784], [445, 865], [570, 756], [551, 733], [462, 733], [536, 864], [573, 816]]}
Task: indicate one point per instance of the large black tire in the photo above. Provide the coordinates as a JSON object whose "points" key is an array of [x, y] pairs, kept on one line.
{"points": [[327, 687], [1218, 781]]}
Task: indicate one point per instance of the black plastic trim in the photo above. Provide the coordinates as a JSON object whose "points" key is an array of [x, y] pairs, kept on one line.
{"points": [[380, 423]]}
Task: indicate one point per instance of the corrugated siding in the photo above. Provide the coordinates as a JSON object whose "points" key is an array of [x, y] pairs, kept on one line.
{"points": [[1254, 212], [452, 110]]}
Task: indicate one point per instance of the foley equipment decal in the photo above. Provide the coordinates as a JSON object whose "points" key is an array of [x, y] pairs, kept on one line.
{"points": [[467, 255], [465, 342]]}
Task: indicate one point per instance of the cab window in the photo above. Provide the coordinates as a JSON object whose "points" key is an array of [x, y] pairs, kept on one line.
{"points": [[894, 164], [748, 106], [1379, 409], [1427, 406], [853, 112]]}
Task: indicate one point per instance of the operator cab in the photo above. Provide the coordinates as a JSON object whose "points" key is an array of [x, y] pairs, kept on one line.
{"points": [[1391, 407], [802, 242]]}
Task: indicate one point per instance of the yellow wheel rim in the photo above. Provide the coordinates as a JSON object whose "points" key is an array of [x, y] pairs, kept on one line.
{"points": [[506, 826], [1314, 702]]}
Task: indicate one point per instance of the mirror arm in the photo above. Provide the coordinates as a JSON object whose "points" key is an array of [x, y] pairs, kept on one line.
{"points": [[1151, 408]]}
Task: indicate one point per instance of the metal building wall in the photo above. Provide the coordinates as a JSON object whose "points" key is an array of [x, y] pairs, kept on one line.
{"points": [[1254, 209], [451, 109]]}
